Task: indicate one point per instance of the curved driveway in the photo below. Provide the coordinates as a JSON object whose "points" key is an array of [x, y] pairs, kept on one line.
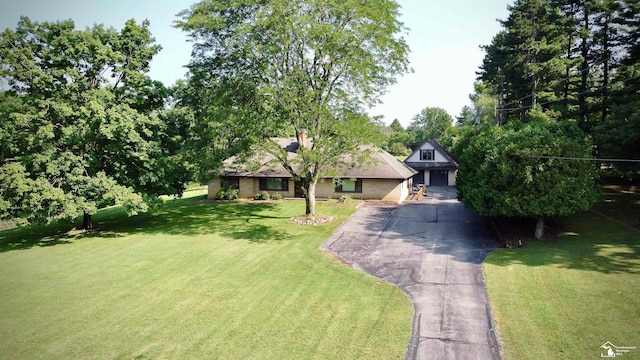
{"points": [[432, 250]]}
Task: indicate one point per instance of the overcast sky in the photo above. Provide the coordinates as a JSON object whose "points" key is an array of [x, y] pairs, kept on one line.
{"points": [[444, 37]]}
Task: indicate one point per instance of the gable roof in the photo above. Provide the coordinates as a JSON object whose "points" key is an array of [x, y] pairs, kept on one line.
{"points": [[384, 165], [449, 164]]}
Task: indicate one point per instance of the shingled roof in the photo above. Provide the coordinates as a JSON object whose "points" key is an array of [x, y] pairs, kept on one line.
{"points": [[450, 164], [383, 166]]}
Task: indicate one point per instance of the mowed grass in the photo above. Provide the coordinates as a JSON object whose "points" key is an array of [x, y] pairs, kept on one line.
{"points": [[194, 281], [565, 297]]}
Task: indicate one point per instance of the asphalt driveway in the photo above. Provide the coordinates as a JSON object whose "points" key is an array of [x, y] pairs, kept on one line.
{"points": [[432, 250]]}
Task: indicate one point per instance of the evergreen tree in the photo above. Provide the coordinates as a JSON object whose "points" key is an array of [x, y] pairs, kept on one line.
{"points": [[526, 58]]}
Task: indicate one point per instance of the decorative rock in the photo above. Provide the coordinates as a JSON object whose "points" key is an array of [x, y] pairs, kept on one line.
{"points": [[310, 220]]}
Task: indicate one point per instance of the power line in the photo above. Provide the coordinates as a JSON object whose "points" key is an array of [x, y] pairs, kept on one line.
{"points": [[582, 93], [578, 72], [587, 159]]}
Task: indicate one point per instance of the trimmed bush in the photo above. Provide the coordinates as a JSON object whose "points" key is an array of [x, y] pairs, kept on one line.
{"points": [[262, 196], [276, 196], [227, 193]]}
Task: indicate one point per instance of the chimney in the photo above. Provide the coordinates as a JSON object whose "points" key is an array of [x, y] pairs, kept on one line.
{"points": [[303, 138]]}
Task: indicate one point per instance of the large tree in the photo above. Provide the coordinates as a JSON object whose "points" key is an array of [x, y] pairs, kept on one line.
{"points": [[430, 123], [578, 60], [299, 65], [525, 61], [79, 126], [396, 139], [533, 170]]}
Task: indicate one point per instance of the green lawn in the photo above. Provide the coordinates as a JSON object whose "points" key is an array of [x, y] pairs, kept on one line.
{"points": [[194, 280], [563, 298]]}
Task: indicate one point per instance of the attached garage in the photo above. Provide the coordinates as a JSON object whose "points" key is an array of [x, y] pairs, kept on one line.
{"points": [[439, 178], [434, 165]]}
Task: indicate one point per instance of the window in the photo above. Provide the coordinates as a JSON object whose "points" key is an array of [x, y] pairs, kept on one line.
{"points": [[426, 154], [349, 185], [276, 184], [232, 182]]}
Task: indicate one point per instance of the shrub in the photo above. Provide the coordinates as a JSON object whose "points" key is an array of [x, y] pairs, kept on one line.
{"points": [[227, 193], [345, 199], [276, 196], [261, 196]]}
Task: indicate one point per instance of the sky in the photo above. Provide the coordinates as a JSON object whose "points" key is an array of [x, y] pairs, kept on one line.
{"points": [[444, 38]]}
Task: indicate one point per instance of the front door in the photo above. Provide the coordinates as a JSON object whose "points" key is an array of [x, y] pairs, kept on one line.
{"points": [[418, 179]]}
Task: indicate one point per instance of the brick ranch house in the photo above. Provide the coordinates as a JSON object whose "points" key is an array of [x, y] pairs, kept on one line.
{"points": [[387, 179]]}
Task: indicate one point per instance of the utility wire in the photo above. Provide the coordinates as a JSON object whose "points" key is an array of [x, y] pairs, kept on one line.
{"points": [[587, 159], [578, 72], [506, 108], [582, 93]]}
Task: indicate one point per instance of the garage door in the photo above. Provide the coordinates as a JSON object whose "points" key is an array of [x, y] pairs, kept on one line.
{"points": [[438, 178]]}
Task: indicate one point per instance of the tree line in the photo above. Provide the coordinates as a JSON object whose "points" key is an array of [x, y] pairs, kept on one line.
{"points": [[574, 59], [84, 127], [556, 92]]}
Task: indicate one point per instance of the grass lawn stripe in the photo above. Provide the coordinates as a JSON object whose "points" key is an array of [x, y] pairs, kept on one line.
{"points": [[227, 281]]}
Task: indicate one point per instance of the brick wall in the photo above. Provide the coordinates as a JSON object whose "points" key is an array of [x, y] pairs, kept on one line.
{"points": [[212, 188], [372, 189], [248, 188]]}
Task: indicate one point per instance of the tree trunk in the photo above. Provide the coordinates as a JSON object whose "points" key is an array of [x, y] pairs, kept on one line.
{"points": [[310, 199], [584, 71], [540, 228], [86, 223], [567, 74], [605, 68]]}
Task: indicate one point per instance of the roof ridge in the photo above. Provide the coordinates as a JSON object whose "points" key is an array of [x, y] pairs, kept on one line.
{"points": [[436, 145]]}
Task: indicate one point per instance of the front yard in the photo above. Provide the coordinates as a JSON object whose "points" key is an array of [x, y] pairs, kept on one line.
{"points": [[228, 281], [567, 296]]}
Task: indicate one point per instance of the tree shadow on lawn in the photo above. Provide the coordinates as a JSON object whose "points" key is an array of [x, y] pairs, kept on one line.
{"points": [[257, 223], [62, 233], [585, 241]]}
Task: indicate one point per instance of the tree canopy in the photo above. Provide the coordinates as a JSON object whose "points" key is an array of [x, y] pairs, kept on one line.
{"points": [[576, 60], [430, 123], [288, 67], [527, 170], [395, 139], [79, 126]]}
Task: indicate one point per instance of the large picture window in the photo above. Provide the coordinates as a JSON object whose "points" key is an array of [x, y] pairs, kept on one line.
{"points": [[426, 154], [275, 184], [230, 182], [349, 186]]}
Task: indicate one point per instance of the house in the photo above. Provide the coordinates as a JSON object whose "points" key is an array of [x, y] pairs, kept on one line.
{"points": [[387, 178], [434, 165]]}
